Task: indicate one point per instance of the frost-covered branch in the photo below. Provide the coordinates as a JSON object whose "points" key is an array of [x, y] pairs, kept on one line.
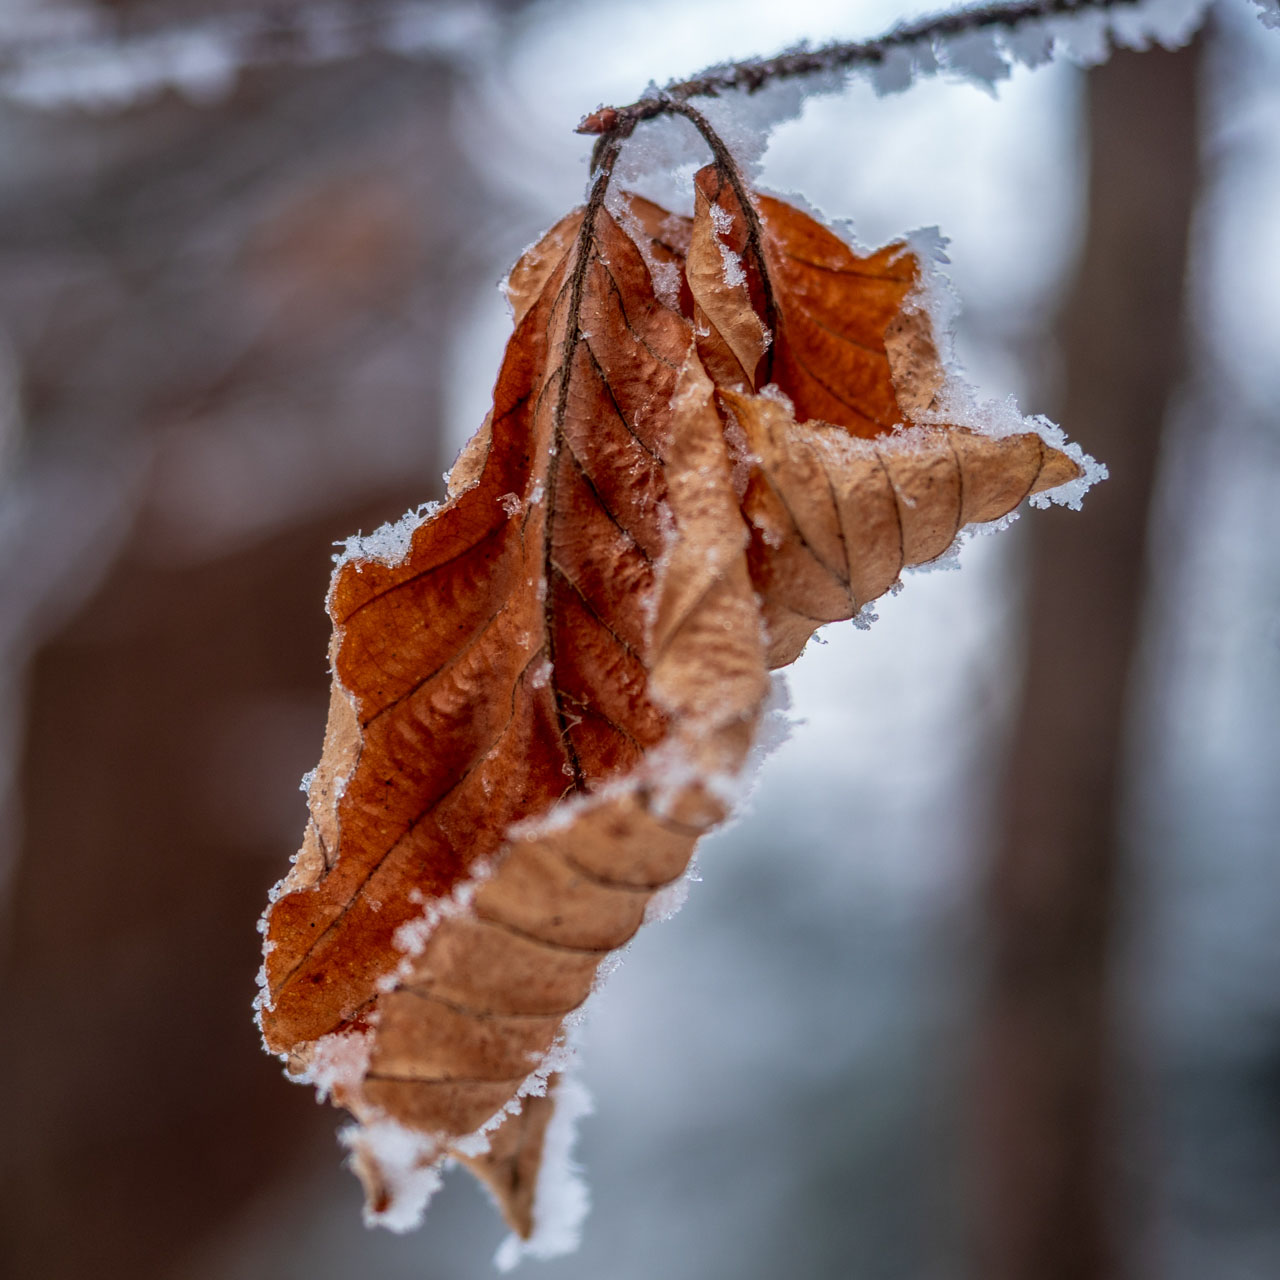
{"points": [[979, 43], [1269, 13], [88, 58]]}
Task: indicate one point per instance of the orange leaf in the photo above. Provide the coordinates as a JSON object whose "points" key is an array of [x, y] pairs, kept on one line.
{"points": [[836, 519], [542, 689], [801, 310], [581, 599]]}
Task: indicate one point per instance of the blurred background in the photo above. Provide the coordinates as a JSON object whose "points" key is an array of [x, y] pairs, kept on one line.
{"points": [[986, 984]]}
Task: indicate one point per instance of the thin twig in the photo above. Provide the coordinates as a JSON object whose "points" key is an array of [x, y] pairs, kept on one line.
{"points": [[728, 169], [755, 73], [572, 336]]}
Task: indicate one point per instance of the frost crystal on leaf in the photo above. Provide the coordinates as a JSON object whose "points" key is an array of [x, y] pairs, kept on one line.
{"points": [[562, 1197], [389, 543]]}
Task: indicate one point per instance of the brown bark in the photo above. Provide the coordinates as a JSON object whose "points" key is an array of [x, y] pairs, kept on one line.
{"points": [[142, 1115], [1050, 1205], [237, 279]]}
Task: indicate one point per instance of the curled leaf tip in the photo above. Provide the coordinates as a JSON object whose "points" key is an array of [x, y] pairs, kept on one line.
{"points": [[600, 121]]}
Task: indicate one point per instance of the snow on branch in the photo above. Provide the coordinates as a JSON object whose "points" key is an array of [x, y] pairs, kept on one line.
{"points": [[1269, 13], [978, 44], [87, 58]]}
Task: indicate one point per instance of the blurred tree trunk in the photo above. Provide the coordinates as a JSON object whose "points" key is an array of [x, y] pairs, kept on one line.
{"points": [[143, 1114], [1049, 1201], [255, 300]]}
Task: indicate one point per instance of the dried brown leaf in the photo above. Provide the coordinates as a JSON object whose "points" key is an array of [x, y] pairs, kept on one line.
{"points": [[835, 519], [593, 620], [542, 688], [801, 310]]}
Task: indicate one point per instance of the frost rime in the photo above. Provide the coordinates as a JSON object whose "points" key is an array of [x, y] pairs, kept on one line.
{"points": [[561, 1201]]}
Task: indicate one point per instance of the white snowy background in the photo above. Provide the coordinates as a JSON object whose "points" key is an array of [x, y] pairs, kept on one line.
{"points": [[778, 1070]]}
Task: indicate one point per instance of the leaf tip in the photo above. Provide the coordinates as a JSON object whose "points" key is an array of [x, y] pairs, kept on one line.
{"points": [[600, 121], [1057, 469]]}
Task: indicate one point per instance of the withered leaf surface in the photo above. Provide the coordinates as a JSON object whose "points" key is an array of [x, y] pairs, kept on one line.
{"points": [[843, 491], [835, 519], [700, 449], [581, 600], [838, 332]]}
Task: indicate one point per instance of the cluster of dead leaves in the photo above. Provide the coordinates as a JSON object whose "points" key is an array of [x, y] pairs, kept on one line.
{"points": [[537, 707]]}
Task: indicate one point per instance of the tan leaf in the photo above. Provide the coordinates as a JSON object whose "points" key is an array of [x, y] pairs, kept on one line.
{"points": [[835, 519], [536, 699], [800, 309], [542, 689]]}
